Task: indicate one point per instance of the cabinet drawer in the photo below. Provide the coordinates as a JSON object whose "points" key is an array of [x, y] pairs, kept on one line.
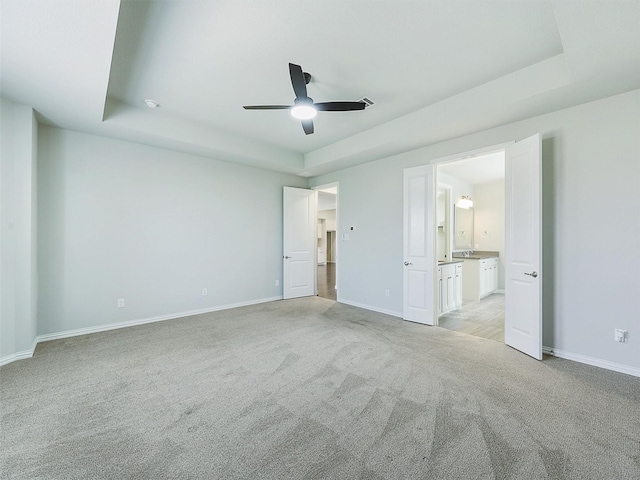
{"points": [[448, 270], [488, 262]]}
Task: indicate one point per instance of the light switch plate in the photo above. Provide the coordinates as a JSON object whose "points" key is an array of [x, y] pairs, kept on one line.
{"points": [[620, 335]]}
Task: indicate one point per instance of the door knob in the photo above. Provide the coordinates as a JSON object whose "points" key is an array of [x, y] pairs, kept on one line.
{"points": [[285, 257], [407, 264], [532, 274]]}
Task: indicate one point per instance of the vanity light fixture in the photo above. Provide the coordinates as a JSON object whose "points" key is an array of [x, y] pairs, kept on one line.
{"points": [[465, 202]]}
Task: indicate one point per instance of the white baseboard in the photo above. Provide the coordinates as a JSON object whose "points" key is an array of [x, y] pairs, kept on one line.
{"points": [[113, 326], [595, 362], [19, 355], [16, 356], [369, 307], [142, 321]]}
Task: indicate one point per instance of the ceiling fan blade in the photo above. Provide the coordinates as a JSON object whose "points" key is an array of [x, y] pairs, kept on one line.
{"points": [[297, 80], [339, 106], [267, 107], [307, 126]]}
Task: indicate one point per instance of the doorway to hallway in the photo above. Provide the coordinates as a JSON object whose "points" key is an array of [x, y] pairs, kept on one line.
{"points": [[327, 215], [327, 281]]}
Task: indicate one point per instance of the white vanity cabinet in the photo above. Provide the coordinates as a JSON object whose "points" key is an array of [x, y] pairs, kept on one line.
{"points": [[489, 279], [480, 277], [449, 287]]}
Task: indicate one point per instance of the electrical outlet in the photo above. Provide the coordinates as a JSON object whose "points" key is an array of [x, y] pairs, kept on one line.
{"points": [[205, 292], [352, 228], [345, 236], [120, 303], [621, 335], [277, 283], [386, 293]]}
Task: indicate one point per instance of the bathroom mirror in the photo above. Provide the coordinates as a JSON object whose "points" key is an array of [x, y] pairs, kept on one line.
{"points": [[463, 229]]}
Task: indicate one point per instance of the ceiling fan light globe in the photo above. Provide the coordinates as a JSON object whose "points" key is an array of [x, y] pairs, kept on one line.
{"points": [[303, 112]]}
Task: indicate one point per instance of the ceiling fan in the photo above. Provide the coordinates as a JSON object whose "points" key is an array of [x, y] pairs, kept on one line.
{"points": [[303, 107]]}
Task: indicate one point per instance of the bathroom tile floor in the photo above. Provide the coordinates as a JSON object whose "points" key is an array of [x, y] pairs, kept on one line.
{"points": [[481, 318]]}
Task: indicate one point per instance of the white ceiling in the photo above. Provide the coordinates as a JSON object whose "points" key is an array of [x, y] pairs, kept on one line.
{"points": [[476, 170], [327, 200], [436, 69]]}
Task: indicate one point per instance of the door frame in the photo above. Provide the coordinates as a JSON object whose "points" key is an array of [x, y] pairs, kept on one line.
{"points": [[448, 214], [336, 253]]}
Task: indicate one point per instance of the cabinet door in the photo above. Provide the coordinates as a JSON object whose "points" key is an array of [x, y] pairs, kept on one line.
{"points": [[439, 280], [494, 274], [482, 278], [449, 291], [458, 286], [447, 286]]}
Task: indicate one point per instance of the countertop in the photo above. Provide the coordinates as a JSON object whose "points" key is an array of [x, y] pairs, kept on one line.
{"points": [[455, 260], [478, 255]]}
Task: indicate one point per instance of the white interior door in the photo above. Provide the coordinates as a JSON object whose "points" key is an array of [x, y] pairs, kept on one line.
{"points": [[299, 249], [523, 252], [418, 245]]}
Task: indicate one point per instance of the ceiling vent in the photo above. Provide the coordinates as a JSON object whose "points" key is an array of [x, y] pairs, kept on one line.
{"points": [[367, 102]]}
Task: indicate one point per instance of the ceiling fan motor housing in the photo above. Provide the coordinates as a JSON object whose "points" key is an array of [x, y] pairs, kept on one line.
{"points": [[303, 101]]}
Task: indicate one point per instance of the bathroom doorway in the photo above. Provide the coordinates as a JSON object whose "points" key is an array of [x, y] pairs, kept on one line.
{"points": [[476, 187]]}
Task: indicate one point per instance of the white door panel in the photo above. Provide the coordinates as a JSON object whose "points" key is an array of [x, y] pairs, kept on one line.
{"points": [[299, 249], [417, 284], [418, 245], [523, 286]]}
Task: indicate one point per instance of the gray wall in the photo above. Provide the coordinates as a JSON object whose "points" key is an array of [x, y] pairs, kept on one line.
{"points": [[152, 226], [18, 231], [591, 225]]}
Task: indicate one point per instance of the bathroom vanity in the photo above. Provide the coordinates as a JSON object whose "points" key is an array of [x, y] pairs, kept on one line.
{"points": [[480, 270], [449, 278]]}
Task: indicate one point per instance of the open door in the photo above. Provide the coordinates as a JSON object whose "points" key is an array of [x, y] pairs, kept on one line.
{"points": [[418, 244], [523, 252], [299, 238]]}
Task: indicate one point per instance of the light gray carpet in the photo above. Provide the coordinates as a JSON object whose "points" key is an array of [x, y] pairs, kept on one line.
{"points": [[310, 389]]}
